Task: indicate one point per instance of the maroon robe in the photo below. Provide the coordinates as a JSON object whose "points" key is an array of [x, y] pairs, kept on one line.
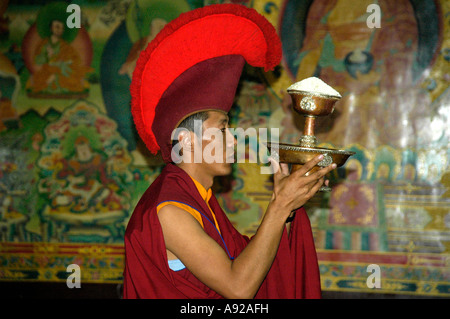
{"points": [[294, 272]]}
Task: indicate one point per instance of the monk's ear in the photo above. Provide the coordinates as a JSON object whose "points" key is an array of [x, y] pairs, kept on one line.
{"points": [[186, 140]]}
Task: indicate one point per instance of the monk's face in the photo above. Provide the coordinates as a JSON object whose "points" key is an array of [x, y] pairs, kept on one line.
{"points": [[217, 144]]}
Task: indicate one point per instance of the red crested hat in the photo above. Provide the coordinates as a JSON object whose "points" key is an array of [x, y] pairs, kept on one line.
{"points": [[194, 64]]}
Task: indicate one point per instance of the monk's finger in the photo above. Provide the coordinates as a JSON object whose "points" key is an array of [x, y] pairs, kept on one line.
{"points": [[315, 188], [284, 169], [276, 169], [308, 166], [321, 173]]}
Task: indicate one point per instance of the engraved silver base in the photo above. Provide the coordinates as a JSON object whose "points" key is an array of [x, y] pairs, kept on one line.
{"points": [[325, 189], [327, 160], [308, 141]]}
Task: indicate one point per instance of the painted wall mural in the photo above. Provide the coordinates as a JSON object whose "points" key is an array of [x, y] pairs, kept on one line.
{"points": [[72, 166]]}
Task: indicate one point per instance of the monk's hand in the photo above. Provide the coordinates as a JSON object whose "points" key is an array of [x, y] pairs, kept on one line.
{"points": [[292, 191]]}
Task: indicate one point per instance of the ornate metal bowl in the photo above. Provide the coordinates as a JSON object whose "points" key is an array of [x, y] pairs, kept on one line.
{"points": [[293, 154], [298, 156], [313, 104], [310, 105]]}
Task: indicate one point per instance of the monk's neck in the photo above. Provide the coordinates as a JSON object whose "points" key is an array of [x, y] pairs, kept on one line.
{"points": [[196, 172]]}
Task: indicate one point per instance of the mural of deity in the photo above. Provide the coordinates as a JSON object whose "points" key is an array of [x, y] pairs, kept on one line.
{"points": [[57, 66], [84, 164]]}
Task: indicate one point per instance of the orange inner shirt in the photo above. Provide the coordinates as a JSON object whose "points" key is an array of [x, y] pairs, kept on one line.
{"points": [[205, 194]]}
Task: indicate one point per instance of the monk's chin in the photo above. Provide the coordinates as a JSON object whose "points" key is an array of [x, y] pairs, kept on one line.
{"points": [[225, 169]]}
